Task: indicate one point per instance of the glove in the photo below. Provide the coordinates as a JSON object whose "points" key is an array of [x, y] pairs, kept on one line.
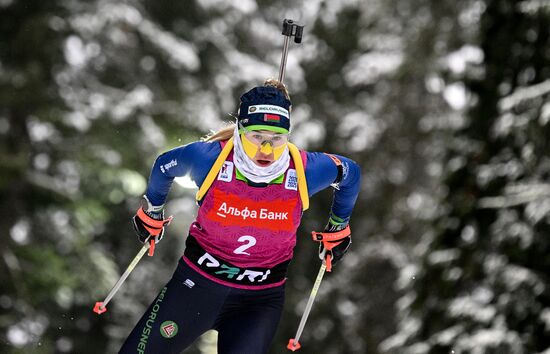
{"points": [[335, 241], [149, 221]]}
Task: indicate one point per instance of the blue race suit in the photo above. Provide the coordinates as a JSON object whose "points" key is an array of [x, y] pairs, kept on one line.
{"points": [[190, 304]]}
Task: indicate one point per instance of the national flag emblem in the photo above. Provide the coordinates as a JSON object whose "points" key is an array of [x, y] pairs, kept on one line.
{"points": [[272, 118], [168, 329]]}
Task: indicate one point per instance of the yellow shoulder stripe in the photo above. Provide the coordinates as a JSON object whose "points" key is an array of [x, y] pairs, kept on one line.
{"points": [[211, 176], [301, 174]]}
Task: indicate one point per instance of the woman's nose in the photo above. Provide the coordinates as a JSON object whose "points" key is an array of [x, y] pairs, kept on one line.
{"points": [[266, 148]]}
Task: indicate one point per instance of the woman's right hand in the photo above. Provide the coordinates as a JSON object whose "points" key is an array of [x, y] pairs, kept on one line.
{"points": [[149, 222]]}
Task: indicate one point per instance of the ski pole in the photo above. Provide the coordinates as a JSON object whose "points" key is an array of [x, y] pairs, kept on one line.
{"points": [[101, 306], [290, 28], [294, 343]]}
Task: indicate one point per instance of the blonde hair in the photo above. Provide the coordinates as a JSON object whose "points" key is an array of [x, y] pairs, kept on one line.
{"points": [[222, 134], [278, 85], [226, 132]]}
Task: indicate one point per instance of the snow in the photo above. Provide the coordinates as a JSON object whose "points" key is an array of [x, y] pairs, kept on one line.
{"points": [[108, 155], [41, 131], [422, 205], [456, 163], [74, 51], [545, 318], [458, 61], [397, 175], [68, 176], [202, 113], [447, 336], [508, 228], [27, 331], [469, 234], [329, 14], [4, 125], [496, 338], [77, 120], [419, 348], [182, 53], [152, 133], [251, 68], [493, 263], [369, 67], [17, 336], [64, 296], [64, 345], [133, 183], [243, 6], [538, 210], [442, 257], [471, 15], [545, 114], [347, 308], [308, 132], [19, 232], [508, 123], [361, 130], [517, 194], [456, 96], [524, 94], [534, 6], [452, 274], [472, 307], [41, 161], [486, 173], [452, 121], [408, 327], [434, 83], [513, 277], [141, 96]]}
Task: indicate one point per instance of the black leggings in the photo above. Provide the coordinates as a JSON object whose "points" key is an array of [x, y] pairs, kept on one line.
{"points": [[190, 304]]}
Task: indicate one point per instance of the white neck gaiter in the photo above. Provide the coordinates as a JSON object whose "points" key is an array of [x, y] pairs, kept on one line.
{"points": [[253, 172]]}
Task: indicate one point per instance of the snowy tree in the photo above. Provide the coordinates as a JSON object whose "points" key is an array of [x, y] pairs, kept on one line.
{"points": [[480, 284], [91, 92]]}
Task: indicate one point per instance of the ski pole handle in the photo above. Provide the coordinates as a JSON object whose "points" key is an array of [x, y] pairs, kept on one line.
{"points": [[330, 240], [101, 306], [294, 343], [290, 29]]}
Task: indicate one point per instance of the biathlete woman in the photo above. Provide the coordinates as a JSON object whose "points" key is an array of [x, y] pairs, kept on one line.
{"points": [[254, 187]]}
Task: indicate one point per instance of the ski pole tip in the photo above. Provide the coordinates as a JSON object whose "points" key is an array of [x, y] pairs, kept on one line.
{"points": [[99, 308], [293, 345]]}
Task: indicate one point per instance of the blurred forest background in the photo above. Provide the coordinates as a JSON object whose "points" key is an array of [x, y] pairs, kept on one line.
{"points": [[445, 104]]}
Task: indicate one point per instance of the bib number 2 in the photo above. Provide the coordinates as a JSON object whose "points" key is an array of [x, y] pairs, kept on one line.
{"points": [[248, 241]]}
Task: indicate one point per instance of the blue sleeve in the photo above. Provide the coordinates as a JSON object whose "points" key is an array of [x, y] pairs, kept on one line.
{"points": [[194, 160], [321, 172]]}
